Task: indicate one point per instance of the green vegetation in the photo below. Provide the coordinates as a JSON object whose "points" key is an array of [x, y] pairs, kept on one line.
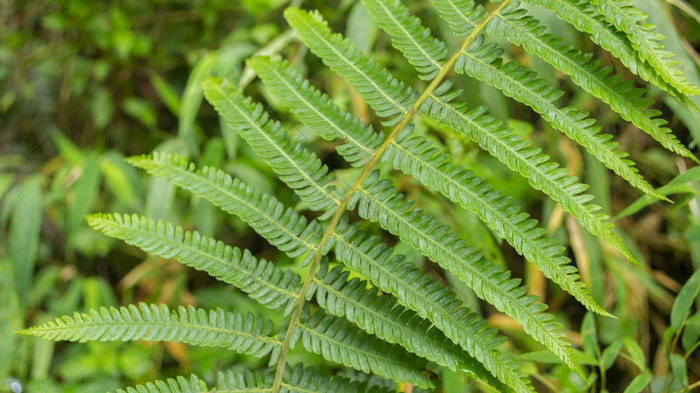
{"points": [[450, 196]]}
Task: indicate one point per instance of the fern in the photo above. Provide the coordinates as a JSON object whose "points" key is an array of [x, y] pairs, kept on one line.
{"points": [[357, 302], [339, 341], [579, 14], [418, 158]]}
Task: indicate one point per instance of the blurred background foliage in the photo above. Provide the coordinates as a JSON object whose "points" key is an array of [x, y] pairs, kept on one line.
{"points": [[85, 83]]}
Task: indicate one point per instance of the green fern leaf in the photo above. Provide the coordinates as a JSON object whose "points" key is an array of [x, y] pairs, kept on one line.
{"points": [[178, 385], [339, 341], [627, 18], [213, 328], [524, 87], [377, 201], [421, 161], [282, 227], [299, 169], [260, 279]]}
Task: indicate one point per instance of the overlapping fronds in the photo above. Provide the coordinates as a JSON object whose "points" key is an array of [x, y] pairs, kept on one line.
{"points": [[626, 17], [245, 334], [483, 62], [513, 24], [466, 328], [579, 14], [418, 158]]}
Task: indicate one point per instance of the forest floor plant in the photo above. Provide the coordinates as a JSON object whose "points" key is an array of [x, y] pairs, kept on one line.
{"points": [[353, 298]]}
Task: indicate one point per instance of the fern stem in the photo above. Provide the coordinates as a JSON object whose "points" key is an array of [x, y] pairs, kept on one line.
{"points": [[318, 253]]}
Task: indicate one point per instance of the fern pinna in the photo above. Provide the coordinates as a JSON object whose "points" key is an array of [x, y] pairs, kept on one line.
{"points": [[365, 305]]}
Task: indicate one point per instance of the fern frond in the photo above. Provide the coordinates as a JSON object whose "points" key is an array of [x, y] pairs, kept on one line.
{"points": [[177, 385], [622, 96], [464, 328], [341, 342], [296, 380], [554, 181], [377, 201], [297, 167], [275, 287], [213, 328], [416, 157], [627, 18], [389, 98], [515, 26], [282, 227], [260, 279]]}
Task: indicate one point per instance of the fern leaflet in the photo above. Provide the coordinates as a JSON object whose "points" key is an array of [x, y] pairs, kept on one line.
{"points": [[216, 328]]}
